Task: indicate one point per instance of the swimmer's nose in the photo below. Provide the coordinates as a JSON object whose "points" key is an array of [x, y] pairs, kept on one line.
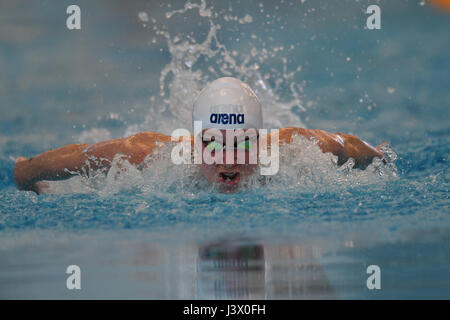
{"points": [[234, 160]]}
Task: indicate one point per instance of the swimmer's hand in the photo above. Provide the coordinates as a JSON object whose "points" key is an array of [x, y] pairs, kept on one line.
{"points": [[20, 179], [384, 144], [22, 182], [40, 187]]}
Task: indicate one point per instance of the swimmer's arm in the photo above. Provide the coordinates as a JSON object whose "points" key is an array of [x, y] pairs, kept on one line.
{"points": [[358, 149], [63, 163], [344, 146]]}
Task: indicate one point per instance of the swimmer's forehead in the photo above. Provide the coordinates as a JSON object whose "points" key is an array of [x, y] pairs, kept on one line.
{"points": [[221, 134]]}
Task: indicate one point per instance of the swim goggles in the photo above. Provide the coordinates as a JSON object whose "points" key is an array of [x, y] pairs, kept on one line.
{"points": [[245, 145]]}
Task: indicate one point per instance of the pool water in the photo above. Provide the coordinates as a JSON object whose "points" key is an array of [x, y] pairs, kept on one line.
{"points": [[309, 232]]}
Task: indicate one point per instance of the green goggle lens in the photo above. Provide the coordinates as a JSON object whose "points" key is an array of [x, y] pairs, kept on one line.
{"points": [[217, 146], [214, 146], [245, 145]]}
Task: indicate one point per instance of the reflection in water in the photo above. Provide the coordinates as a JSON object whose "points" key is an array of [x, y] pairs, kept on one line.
{"points": [[239, 268], [232, 268], [136, 266], [225, 268]]}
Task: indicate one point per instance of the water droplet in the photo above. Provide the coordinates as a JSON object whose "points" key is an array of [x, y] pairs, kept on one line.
{"points": [[143, 16]]}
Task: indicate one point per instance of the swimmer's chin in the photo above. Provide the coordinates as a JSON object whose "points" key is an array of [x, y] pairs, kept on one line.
{"points": [[224, 187]]}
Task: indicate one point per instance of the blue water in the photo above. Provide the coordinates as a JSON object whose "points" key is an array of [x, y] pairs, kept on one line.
{"points": [[285, 241]]}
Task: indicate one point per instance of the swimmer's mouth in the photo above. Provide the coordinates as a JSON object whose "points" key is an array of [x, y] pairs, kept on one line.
{"points": [[230, 178]]}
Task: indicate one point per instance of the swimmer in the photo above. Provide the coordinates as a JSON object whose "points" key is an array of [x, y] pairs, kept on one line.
{"points": [[226, 105]]}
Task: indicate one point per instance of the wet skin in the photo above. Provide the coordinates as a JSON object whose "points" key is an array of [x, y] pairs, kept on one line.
{"points": [[228, 174]]}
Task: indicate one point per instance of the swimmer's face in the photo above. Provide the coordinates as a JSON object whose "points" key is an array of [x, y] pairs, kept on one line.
{"points": [[241, 163]]}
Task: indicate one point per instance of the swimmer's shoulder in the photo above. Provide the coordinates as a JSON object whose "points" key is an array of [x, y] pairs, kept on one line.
{"points": [[285, 134], [148, 138], [327, 141], [139, 145]]}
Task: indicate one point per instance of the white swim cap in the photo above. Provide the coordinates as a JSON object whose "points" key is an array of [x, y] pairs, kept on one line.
{"points": [[228, 103]]}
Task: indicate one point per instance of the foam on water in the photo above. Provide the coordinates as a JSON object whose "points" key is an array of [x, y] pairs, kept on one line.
{"points": [[194, 63]]}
